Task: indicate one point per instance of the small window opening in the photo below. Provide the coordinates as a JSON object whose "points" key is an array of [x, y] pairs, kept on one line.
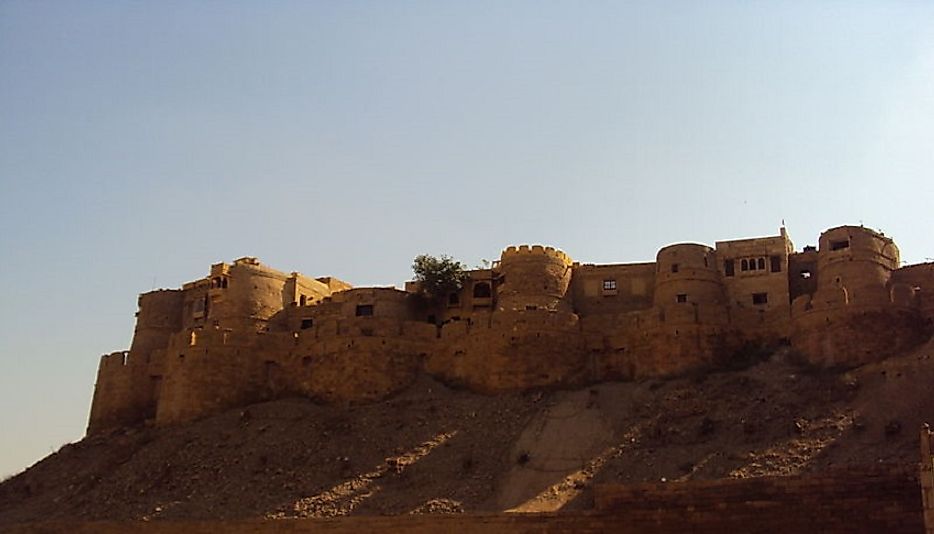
{"points": [[706, 263], [302, 300], [307, 323], [609, 285], [805, 274], [840, 245], [776, 262], [530, 307], [760, 298], [761, 262], [674, 267], [364, 310], [729, 268], [181, 357], [682, 297], [224, 283], [482, 291], [454, 299]]}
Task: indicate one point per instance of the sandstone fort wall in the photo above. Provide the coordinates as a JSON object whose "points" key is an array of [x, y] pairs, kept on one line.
{"points": [[536, 318]]}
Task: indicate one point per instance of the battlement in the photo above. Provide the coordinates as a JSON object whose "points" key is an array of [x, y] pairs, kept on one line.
{"points": [[119, 358], [525, 251], [248, 332]]}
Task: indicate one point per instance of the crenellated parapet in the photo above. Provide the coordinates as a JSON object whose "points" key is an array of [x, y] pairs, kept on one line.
{"points": [[524, 251], [533, 277]]}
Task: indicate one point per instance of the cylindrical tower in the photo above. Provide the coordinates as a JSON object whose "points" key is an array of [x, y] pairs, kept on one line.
{"points": [[534, 277], [859, 261], [687, 273], [159, 316], [248, 297]]}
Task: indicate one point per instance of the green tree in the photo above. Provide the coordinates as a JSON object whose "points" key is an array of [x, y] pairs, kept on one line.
{"points": [[439, 276]]}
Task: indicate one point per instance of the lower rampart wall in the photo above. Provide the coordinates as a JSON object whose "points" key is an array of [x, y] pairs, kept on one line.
{"points": [[855, 335], [884, 500], [927, 478], [514, 350], [844, 502]]}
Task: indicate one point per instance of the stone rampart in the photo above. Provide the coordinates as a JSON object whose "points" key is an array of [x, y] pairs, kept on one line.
{"points": [[833, 503], [534, 319]]}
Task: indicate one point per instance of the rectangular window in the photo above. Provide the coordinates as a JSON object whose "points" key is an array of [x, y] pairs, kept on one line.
{"points": [[776, 262], [609, 285], [364, 310], [674, 267], [760, 298], [683, 297], [729, 268], [307, 323], [840, 245]]}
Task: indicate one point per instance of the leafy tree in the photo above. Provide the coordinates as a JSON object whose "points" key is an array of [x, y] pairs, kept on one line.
{"points": [[439, 276]]}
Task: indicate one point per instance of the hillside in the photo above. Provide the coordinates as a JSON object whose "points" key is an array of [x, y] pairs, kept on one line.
{"points": [[433, 449]]}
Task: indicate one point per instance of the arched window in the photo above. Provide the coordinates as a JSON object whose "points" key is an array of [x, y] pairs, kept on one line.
{"points": [[761, 264], [481, 290], [744, 265]]}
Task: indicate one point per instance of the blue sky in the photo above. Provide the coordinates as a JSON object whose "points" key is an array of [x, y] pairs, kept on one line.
{"points": [[142, 141]]}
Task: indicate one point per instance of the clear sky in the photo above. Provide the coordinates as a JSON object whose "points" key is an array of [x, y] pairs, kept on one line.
{"points": [[142, 141]]}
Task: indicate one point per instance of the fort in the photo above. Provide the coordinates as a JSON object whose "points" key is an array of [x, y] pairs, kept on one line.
{"points": [[536, 318]]}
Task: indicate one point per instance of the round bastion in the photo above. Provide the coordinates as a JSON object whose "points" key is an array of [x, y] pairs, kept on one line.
{"points": [[534, 277]]}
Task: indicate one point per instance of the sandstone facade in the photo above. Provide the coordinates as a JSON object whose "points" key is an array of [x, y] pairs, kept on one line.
{"points": [[246, 332]]}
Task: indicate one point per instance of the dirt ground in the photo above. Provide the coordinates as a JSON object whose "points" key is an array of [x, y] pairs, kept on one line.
{"points": [[436, 450]]}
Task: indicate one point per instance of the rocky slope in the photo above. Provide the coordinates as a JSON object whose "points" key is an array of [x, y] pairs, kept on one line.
{"points": [[436, 450]]}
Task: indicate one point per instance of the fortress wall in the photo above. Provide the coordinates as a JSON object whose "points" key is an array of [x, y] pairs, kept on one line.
{"points": [[920, 278], [677, 349], [202, 380], [126, 391], [854, 335], [255, 293], [386, 302], [195, 303], [227, 339], [882, 500], [533, 277], [113, 402], [334, 284], [303, 291], [477, 296], [758, 288], [927, 478], [859, 260], [129, 383], [159, 316], [634, 288], [517, 350], [802, 273], [859, 312], [688, 270], [353, 369]]}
